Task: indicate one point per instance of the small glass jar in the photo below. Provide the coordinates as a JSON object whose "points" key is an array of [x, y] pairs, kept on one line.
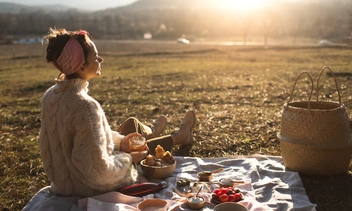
{"points": [[137, 143]]}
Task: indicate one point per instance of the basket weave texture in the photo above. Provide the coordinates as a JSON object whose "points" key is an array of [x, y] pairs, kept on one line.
{"points": [[325, 125], [315, 161], [315, 136]]}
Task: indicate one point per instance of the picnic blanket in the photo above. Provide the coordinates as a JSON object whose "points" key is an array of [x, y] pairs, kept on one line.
{"points": [[267, 185]]}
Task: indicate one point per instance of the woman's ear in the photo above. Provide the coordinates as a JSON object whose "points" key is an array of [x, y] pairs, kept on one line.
{"points": [[82, 68]]}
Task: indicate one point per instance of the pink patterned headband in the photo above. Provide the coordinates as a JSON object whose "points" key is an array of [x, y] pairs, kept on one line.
{"points": [[72, 56]]}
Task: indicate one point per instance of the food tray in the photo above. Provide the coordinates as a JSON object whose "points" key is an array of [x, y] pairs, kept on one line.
{"points": [[193, 187]]}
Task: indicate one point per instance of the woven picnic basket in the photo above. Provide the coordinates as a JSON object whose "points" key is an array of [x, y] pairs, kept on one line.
{"points": [[315, 136]]}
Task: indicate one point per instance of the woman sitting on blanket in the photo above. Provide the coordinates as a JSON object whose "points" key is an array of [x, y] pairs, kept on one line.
{"points": [[81, 155]]}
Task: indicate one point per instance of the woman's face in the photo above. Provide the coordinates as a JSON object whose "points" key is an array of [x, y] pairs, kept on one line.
{"points": [[92, 66]]}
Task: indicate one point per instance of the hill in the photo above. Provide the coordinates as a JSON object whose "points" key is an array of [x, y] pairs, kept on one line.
{"points": [[196, 19], [18, 8], [168, 4], [201, 4], [7, 7]]}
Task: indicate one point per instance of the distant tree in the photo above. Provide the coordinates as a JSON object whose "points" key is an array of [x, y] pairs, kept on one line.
{"points": [[245, 24], [296, 28], [267, 23], [4, 25], [349, 23]]}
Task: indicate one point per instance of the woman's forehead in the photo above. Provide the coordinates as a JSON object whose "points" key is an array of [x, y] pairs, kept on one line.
{"points": [[93, 47]]}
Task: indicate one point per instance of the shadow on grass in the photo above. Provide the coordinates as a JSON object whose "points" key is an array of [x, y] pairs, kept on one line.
{"points": [[328, 188]]}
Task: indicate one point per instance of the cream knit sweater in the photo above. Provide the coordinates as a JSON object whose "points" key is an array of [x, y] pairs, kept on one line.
{"points": [[77, 144]]}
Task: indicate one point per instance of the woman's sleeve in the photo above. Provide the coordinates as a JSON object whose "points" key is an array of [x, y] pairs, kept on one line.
{"points": [[93, 156], [117, 137]]}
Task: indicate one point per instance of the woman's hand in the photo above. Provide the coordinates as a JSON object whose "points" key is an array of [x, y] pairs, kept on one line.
{"points": [[138, 156], [125, 142], [125, 147]]}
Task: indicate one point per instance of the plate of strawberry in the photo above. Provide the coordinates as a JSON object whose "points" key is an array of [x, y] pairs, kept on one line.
{"points": [[228, 194]]}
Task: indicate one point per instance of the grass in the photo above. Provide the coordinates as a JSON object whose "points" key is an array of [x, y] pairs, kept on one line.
{"points": [[237, 92]]}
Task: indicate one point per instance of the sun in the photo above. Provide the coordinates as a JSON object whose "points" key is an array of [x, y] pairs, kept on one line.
{"points": [[241, 4]]}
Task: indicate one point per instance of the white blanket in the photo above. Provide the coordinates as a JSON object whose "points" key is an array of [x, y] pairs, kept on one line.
{"points": [[268, 185]]}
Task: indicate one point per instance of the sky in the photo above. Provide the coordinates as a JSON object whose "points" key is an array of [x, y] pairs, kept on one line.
{"points": [[82, 4], [94, 5]]}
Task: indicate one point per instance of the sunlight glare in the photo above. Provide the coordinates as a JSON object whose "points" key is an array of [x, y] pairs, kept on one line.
{"points": [[241, 4]]}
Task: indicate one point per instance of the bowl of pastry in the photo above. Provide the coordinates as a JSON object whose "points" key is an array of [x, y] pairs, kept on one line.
{"points": [[154, 204], [160, 166]]}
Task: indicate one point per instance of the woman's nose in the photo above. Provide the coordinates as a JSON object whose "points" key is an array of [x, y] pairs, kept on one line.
{"points": [[100, 59]]}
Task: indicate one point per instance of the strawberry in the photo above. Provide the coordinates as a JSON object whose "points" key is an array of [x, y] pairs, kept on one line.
{"points": [[238, 197], [224, 198], [232, 198]]}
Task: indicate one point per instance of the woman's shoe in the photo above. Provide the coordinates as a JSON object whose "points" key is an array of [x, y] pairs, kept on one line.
{"points": [[158, 126], [184, 135]]}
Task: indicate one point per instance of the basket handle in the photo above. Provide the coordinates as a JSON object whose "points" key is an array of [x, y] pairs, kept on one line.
{"points": [[311, 91], [337, 87]]}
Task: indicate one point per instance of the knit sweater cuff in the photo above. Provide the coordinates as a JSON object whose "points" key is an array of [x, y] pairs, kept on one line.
{"points": [[117, 137]]}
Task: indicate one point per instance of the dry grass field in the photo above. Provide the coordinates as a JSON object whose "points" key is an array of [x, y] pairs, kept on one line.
{"points": [[238, 93]]}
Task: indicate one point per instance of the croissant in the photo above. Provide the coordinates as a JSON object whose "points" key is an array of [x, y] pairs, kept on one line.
{"points": [[150, 160], [159, 152], [168, 158]]}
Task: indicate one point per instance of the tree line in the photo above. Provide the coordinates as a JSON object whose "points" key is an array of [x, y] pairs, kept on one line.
{"points": [[291, 20]]}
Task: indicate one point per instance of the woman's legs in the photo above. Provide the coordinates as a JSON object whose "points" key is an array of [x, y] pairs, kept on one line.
{"points": [[182, 136], [132, 125]]}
